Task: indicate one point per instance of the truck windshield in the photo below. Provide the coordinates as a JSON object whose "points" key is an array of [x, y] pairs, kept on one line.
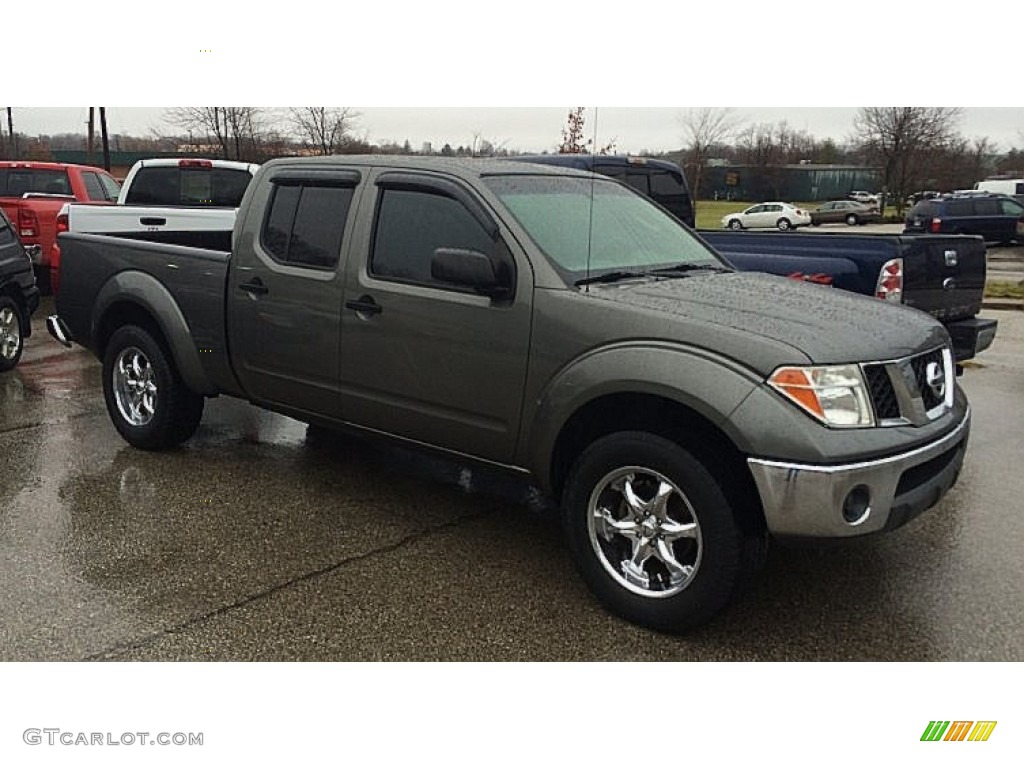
{"points": [[587, 227]]}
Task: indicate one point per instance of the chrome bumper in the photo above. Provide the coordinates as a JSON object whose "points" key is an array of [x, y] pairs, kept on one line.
{"points": [[58, 330], [807, 501]]}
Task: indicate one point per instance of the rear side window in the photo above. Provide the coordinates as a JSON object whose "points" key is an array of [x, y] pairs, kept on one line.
{"points": [[987, 207], [94, 188], [924, 210], [960, 208], [172, 185], [411, 225], [6, 233], [305, 224], [15, 182]]}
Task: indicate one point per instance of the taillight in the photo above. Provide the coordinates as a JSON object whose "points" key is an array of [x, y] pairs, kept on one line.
{"points": [[195, 164], [28, 224], [890, 281], [935, 226], [62, 223]]}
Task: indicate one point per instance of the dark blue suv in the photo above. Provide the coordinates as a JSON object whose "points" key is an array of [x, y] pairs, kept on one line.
{"points": [[661, 181], [997, 218]]}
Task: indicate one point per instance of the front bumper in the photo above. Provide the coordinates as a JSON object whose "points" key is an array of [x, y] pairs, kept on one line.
{"points": [[807, 501]]}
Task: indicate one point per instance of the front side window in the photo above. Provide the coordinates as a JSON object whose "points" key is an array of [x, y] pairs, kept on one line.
{"points": [[587, 227], [412, 224], [305, 224]]}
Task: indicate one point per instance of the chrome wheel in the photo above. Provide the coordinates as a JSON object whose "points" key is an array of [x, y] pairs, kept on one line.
{"points": [[10, 333], [644, 532], [134, 387]]}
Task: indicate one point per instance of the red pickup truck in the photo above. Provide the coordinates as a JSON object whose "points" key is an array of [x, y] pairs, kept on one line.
{"points": [[32, 193]]}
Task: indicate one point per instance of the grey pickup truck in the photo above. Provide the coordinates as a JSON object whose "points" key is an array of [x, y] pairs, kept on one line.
{"points": [[550, 322]]}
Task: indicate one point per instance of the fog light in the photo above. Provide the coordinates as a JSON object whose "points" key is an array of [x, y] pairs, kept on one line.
{"points": [[857, 505]]}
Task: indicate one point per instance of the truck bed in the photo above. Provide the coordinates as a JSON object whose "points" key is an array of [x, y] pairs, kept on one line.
{"points": [[189, 283]]}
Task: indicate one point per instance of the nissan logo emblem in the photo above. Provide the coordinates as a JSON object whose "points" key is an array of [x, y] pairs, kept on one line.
{"points": [[935, 378]]}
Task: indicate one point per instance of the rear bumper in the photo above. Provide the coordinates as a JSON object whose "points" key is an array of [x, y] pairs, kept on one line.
{"points": [[971, 336], [807, 501]]}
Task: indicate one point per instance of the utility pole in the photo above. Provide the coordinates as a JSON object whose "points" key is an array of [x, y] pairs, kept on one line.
{"points": [[92, 132], [10, 132], [104, 139]]}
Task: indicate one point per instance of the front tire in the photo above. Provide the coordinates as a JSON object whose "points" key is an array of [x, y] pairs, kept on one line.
{"points": [[147, 401], [735, 225], [12, 335], [852, 220], [652, 533]]}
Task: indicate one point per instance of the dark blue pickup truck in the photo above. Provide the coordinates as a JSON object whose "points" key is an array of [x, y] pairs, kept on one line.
{"points": [[943, 275]]}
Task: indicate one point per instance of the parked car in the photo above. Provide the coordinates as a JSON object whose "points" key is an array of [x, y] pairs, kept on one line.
{"points": [[997, 218], [556, 324], [838, 211], [662, 181], [19, 296], [32, 194], [782, 216], [867, 198]]}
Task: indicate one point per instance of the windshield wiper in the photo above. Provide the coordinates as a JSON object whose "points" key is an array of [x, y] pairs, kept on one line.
{"points": [[690, 268], [610, 277]]}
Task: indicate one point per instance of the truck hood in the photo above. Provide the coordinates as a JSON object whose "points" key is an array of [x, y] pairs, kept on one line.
{"points": [[826, 325]]}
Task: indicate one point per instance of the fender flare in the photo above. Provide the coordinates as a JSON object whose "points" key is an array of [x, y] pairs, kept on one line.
{"points": [[152, 297]]}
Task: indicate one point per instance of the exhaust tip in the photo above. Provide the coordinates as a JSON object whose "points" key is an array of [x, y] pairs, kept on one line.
{"points": [[58, 330]]}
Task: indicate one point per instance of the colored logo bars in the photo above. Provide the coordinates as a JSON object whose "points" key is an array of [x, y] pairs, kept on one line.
{"points": [[958, 730]]}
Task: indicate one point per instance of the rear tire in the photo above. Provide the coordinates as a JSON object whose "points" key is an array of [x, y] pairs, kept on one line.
{"points": [[12, 334], [149, 404], [784, 225], [653, 534], [852, 220]]}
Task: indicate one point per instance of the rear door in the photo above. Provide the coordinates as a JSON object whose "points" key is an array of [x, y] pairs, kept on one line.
{"points": [[285, 289], [423, 359]]}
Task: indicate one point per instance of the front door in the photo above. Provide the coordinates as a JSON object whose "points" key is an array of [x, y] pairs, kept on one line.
{"points": [[423, 359]]}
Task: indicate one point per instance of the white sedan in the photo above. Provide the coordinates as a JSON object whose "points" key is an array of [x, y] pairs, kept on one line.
{"points": [[781, 216]]}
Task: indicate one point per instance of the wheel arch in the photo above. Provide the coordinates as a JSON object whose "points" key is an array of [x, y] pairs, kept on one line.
{"points": [[687, 427], [134, 298]]}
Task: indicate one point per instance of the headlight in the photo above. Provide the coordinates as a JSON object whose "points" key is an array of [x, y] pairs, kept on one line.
{"points": [[834, 394]]}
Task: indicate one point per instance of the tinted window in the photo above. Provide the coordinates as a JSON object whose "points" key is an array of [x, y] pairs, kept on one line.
{"points": [[15, 182], [987, 207], [6, 233], [305, 224], [639, 181], [960, 208], [411, 225], [93, 188], [111, 187], [924, 210], [171, 185]]}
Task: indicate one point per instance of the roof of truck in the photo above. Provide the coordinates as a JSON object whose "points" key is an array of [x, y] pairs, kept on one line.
{"points": [[463, 166]]}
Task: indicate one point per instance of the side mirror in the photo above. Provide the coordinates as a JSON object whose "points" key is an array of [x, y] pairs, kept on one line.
{"points": [[470, 269]]}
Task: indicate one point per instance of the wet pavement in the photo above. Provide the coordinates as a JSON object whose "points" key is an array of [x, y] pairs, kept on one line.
{"points": [[261, 539]]}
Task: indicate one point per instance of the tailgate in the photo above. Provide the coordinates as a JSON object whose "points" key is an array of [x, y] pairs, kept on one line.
{"points": [[944, 275]]}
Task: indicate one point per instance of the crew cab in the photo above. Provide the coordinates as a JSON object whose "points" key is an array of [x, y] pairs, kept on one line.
{"points": [[32, 194], [19, 296], [552, 323]]}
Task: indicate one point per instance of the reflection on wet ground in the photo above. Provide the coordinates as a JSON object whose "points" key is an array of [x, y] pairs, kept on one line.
{"points": [[264, 539]]}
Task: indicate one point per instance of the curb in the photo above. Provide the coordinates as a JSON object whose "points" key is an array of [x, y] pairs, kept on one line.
{"points": [[1017, 304]]}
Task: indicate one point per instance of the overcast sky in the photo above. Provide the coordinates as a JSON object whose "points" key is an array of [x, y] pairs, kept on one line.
{"points": [[413, 66], [536, 129]]}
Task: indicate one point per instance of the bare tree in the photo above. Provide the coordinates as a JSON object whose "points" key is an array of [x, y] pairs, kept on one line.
{"points": [[902, 139], [235, 130], [703, 128], [13, 149], [325, 130]]}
